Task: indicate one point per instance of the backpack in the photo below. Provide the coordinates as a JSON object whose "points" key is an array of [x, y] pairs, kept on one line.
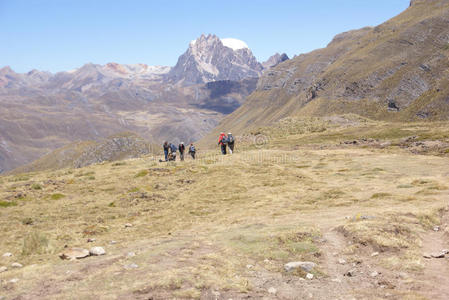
{"points": [[192, 149], [173, 148], [230, 139]]}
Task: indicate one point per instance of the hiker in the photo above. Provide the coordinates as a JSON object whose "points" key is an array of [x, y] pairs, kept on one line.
{"points": [[222, 141], [172, 154], [181, 149], [192, 150], [231, 141], [166, 148]]}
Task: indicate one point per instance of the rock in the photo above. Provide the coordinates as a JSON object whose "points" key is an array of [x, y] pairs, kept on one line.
{"points": [[91, 240], [249, 266], [445, 251], [436, 228], [14, 280], [96, 251], [338, 280], [128, 225], [438, 255], [74, 253], [350, 273], [309, 276], [374, 254], [306, 266], [374, 274], [3, 269], [427, 255], [272, 290], [7, 254], [131, 254], [16, 265], [341, 261], [131, 266], [113, 242]]}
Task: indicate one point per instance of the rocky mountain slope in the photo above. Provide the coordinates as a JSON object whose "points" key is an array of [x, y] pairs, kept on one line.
{"points": [[395, 71], [209, 58], [41, 111]]}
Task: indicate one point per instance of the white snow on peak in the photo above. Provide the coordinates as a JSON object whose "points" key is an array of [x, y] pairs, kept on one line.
{"points": [[234, 44]]}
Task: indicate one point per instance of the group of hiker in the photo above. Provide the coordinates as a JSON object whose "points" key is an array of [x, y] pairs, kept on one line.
{"points": [[170, 151], [226, 141]]}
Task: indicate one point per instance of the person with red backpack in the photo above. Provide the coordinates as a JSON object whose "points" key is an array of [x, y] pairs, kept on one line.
{"points": [[222, 141]]}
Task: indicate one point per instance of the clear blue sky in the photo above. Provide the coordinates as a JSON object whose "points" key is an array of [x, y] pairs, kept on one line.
{"points": [[58, 35]]}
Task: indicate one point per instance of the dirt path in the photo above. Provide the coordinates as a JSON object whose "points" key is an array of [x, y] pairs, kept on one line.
{"points": [[435, 277]]}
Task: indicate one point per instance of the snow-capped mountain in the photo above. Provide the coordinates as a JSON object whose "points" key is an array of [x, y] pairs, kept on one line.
{"points": [[210, 58]]}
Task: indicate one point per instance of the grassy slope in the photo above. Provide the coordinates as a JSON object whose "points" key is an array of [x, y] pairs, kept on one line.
{"points": [[378, 64], [197, 225]]}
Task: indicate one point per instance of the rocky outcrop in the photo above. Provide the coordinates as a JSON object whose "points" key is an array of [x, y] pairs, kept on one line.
{"points": [[274, 60]]}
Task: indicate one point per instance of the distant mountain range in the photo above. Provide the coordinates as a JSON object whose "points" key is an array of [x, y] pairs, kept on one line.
{"points": [[397, 71], [41, 111]]}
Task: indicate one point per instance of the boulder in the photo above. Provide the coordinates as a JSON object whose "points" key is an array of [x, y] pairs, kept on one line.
{"points": [[306, 266], [16, 265], [96, 251], [74, 253]]}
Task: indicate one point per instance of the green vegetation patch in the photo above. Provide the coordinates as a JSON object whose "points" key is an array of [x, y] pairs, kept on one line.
{"points": [[141, 173], [57, 196], [7, 203]]}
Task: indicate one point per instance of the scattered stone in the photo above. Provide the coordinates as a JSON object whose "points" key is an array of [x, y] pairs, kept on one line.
{"points": [[272, 290], [306, 266], [341, 261], [350, 273], [338, 280], [438, 255], [402, 275], [74, 253], [7, 254], [309, 276], [16, 265], [113, 242], [128, 225], [91, 240], [97, 251], [266, 260], [131, 266], [249, 266], [3, 269], [14, 280], [427, 255], [131, 254], [374, 274], [436, 228], [374, 254], [445, 251]]}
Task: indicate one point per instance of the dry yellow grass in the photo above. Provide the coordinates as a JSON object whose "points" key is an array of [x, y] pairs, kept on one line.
{"points": [[197, 225]]}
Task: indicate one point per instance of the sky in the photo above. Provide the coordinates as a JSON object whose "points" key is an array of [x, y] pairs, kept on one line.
{"points": [[58, 35]]}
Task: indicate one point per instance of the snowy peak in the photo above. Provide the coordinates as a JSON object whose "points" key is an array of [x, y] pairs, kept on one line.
{"points": [[210, 58], [234, 44]]}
